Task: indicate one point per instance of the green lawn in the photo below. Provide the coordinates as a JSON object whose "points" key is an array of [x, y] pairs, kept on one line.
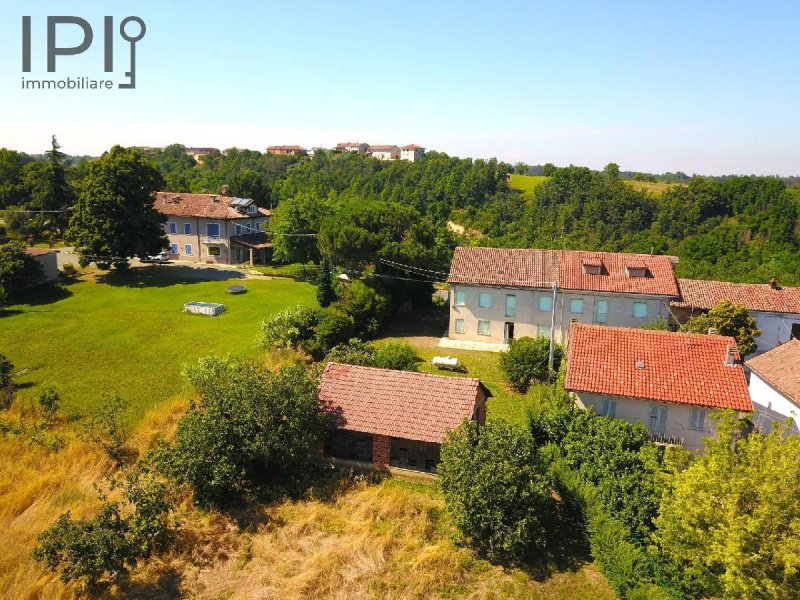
{"points": [[127, 334], [526, 183]]}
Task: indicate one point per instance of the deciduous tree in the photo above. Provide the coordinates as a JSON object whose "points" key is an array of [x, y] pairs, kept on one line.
{"points": [[731, 320]]}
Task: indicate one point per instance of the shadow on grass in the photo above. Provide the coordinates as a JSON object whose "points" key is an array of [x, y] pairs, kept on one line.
{"points": [[165, 276], [165, 584], [37, 296], [427, 322]]}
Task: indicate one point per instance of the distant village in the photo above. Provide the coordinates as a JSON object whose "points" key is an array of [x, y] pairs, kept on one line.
{"points": [[411, 152]]}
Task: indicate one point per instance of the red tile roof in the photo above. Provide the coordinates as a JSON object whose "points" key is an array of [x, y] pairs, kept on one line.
{"points": [[207, 206], [780, 367], [683, 368], [413, 406], [292, 148], [514, 267], [383, 148], [413, 147], [753, 296], [39, 251]]}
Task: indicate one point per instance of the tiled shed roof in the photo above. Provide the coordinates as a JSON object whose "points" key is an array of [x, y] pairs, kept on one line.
{"points": [[704, 295], [40, 251], [683, 368], [780, 367], [413, 406]]}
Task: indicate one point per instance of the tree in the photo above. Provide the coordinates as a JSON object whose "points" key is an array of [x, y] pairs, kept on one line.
{"points": [[47, 186], [527, 359], [731, 320], [248, 430], [294, 224], [18, 269], [290, 328], [549, 169], [497, 489], [114, 218], [325, 291], [729, 521], [6, 371], [393, 355], [611, 170]]}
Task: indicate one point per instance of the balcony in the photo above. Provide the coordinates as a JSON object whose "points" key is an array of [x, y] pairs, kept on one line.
{"points": [[664, 439], [212, 239]]}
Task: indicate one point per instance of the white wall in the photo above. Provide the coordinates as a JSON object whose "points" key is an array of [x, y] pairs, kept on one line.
{"points": [[776, 329], [49, 264], [764, 395]]}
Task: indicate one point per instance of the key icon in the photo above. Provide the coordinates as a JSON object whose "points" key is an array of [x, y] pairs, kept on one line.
{"points": [[131, 39]]}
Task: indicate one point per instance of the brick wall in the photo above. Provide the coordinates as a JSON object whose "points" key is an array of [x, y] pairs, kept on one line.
{"points": [[381, 450]]}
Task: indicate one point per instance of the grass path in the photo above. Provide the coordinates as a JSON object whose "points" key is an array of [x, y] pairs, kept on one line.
{"points": [[127, 334]]}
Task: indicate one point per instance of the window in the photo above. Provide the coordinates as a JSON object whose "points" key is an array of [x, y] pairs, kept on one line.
{"points": [[511, 305], [187, 229], [173, 248], [658, 419], [601, 311], [640, 310], [484, 327], [188, 249], [252, 209], [212, 230], [609, 408], [238, 229], [214, 251], [697, 419], [545, 303], [543, 331], [461, 298], [173, 228], [576, 306], [459, 325], [485, 300]]}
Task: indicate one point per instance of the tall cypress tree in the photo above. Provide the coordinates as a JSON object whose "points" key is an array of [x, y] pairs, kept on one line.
{"points": [[325, 292]]}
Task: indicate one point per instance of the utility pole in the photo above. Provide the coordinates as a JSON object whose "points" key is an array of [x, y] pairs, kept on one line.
{"points": [[552, 327]]}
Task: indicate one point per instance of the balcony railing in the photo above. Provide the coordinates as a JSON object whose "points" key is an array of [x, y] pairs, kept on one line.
{"points": [[665, 439]]}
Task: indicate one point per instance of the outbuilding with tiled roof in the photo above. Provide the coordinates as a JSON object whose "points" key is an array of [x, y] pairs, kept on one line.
{"points": [[670, 382], [395, 418]]}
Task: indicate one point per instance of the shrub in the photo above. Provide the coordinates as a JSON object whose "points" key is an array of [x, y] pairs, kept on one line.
{"points": [[290, 327], [18, 269], [728, 319], [354, 352], [49, 400], [335, 327], [396, 355], [367, 307], [6, 371], [497, 489], [527, 359], [107, 428]]}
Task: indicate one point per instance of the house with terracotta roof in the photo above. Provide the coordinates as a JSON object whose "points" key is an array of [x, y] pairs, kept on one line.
{"points": [[384, 152], [412, 152], [775, 382], [358, 147], [48, 259], [775, 308], [395, 419], [214, 228], [669, 382], [498, 294], [287, 150]]}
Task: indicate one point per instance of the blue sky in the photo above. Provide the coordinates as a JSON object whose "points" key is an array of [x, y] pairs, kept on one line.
{"points": [[706, 87]]}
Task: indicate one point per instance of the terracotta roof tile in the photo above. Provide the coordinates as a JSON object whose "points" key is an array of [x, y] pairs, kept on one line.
{"points": [[534, 268], [683, 368], [753, 296], [414, 406], [207, 206], [780, 367], [40, 251]]}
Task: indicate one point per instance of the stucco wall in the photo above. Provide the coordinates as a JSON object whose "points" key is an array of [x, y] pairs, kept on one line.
{"points": [[776, 329], [528, 317], [49, 264], [200, 241], [764, 395], [638, 411]]}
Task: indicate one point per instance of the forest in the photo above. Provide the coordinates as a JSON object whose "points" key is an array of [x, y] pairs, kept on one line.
{"points": [[364, 213]]}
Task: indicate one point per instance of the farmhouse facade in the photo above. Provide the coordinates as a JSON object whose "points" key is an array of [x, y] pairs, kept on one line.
{"points": [[412, 152], [287, 150], [384, 152], [397, 419], [669, 382], [212, 228], [498, 294]]}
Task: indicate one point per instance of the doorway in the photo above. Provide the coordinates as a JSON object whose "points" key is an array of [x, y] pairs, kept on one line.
{"points": [[508, 332]]}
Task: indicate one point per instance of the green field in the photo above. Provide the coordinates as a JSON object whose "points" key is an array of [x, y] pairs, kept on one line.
{"points": [[654, 187], [526, 183], [126, 334]]}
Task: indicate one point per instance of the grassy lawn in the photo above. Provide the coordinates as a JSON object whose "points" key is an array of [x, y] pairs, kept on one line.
{"points": [[526, 183], [127, 335], [654, 187]]}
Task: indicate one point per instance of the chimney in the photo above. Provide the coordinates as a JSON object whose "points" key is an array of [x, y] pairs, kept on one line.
{"points": [[214, 200], [223, 191], [773, 284], [713, 331], [730, 355]]}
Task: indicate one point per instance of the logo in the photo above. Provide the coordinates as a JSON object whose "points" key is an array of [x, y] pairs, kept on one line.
{"points": [[131, 30]]}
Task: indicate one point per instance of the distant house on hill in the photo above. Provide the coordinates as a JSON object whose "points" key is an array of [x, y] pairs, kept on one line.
{"points": [[358, 147], [199, 153], [393, 418], [412, 152], [775, 308], [212, 228], [49, 261], [384, 152], [669, 382], [287, 150], [498, 294], [775, 384]]}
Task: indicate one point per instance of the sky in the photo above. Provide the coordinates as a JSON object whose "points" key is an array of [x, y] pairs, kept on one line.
{"points": [[700, 87]]}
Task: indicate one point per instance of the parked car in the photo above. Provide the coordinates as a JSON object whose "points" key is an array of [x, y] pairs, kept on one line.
{"points": [[161, 257]]}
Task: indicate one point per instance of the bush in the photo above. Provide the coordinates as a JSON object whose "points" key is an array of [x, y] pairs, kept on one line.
{"points": [[49, 401], [497, 489], [335, 327], [367, 307], [18, 269], [249, 428], [6, 370], [527, 359], [107, 428], [290, 327], [354, 352], [396, 355]]}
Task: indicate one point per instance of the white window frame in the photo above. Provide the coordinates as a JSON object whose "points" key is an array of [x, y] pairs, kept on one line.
{"points": [[187, 249], [482, 296], [173, 248], [487, 328], [697, 419], [601, 317], [646, 310], [458, 326], [582, 304], [511, 311], [219, 229], [547, 300], [187, 229], [173, 228], [463, 298]]}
